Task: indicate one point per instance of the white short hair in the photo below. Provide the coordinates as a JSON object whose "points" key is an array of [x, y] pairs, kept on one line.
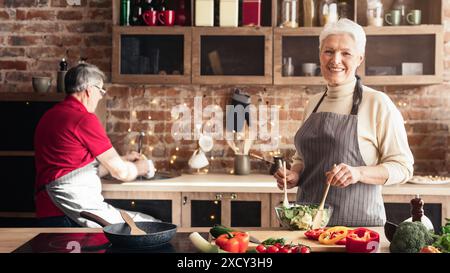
{"points": [[345, 26]]}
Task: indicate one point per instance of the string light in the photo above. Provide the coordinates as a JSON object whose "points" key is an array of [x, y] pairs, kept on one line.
{"points": [[212, 217], [129, 130], [177, 149], [149, 117], [134, 114], [231, 171]]}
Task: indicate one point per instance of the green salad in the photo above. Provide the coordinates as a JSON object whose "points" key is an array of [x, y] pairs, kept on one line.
{"points": [[301, 216]]}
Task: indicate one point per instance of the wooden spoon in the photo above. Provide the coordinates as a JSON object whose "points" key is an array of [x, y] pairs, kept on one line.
{"points": [[286, 200], [319, 215], [134, 229]]}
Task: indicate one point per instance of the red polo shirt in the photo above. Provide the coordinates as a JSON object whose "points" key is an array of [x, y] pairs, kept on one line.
{"points": [[67, 137]]}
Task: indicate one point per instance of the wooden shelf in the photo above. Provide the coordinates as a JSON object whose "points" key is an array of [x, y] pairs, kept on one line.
{"points": [[16, 153], [432, 15], [30, 96]]}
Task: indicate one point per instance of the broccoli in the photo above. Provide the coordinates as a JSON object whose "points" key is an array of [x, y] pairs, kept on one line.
{"points": [[410, 237]]}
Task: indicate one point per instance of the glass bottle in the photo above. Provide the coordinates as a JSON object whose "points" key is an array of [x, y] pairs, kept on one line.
{"points": [[309, 13], [343, 9], [125, 13], [375, 16], [328, 12], [289, 14]]}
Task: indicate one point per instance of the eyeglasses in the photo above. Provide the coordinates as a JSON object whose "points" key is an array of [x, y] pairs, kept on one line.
{"points": [[102, 91]]}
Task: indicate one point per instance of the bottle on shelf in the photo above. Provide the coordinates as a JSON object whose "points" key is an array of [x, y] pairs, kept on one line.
{"points": [[229, 13], [181, 13], [328, 12], [289, 14], [204, 13], [60, 84], [375, 15], [136, 13], [125, 13], [251, 12], [309, 13]]}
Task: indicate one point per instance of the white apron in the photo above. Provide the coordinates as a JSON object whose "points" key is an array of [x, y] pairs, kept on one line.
{"points": [[81, 190]]}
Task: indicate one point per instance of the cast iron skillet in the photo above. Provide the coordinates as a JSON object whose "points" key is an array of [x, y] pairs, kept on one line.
{"points": [[158, 233]]}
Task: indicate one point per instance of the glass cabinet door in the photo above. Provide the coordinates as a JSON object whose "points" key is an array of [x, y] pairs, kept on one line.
{"points": [[232, 56], [151, 55]]}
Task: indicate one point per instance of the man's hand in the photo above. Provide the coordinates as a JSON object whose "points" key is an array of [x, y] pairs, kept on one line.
{"points": [[133, 156], [343, 175], [291, 178], [142, 166]]}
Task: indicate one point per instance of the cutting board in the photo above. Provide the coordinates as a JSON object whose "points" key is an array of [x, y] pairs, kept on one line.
{"points": [[295, 237]]}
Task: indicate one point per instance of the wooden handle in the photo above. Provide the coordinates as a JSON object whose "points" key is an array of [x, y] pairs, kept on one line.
{"points": [[325, 193], [260, 158], [94, 218], [128, 219]]}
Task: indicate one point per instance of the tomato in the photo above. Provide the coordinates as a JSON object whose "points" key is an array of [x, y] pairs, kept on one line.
{"points": [[278, 245], [272, 249], [285, 249], [261, 248], [314, 234], [305, 249]]}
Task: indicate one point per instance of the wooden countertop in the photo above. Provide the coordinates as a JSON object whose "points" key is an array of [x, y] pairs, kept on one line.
{"points": [[12, 238], [254, 183]]}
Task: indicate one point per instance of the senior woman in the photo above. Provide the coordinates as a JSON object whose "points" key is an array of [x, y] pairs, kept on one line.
{"points": [[353, 126]]}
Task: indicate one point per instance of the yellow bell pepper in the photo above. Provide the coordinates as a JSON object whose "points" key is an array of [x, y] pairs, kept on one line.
{"points": [[333, 235]]}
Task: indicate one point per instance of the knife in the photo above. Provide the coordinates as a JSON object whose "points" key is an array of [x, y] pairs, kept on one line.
{"points": [[254, 240]]}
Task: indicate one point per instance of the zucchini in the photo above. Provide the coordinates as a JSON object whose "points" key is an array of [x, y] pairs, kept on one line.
{"points": [[201, 244], [218, 230]]}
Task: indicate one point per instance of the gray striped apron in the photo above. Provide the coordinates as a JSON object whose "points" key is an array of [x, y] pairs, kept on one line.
{"points": [[329, 138], [81, 190]]}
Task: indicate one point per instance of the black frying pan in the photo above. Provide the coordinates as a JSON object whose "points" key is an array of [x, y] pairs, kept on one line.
{"points": [[158, 233]]}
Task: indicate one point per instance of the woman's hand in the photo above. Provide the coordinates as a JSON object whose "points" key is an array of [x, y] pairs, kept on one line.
{"points": [[343, 175], [291, 178]]}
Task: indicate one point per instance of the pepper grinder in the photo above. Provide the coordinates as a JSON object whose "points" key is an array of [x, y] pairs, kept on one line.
{"points": [[417, 214], [60, 85]]}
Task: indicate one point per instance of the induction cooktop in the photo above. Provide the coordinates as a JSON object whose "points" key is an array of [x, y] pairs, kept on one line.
{"points": [[97, 243]]}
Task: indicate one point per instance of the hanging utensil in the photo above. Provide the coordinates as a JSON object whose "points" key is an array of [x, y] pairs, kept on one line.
{"points": [[286, 201], [260, 158], [319, 215], [134, 229]]}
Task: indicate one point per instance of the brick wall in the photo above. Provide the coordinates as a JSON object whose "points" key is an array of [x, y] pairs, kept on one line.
{"points": [[36, 34]]}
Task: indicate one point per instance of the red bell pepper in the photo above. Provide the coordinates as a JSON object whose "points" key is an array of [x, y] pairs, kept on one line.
{"points": [[362, 240], [314, 234], [235, 242]]}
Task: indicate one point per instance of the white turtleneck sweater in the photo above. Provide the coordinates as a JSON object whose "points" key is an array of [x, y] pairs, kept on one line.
{"points": [[381, 131]]}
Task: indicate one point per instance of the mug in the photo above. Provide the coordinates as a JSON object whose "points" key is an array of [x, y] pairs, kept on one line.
{"points": [[309, 69], [166, 17], [198, 160], [414, 17], [41, 84], [394, 17], [150, 17]]}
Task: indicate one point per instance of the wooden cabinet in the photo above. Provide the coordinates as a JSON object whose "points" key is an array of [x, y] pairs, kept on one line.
{"points": [[230, 209], [165, 206], [255, 55]]}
